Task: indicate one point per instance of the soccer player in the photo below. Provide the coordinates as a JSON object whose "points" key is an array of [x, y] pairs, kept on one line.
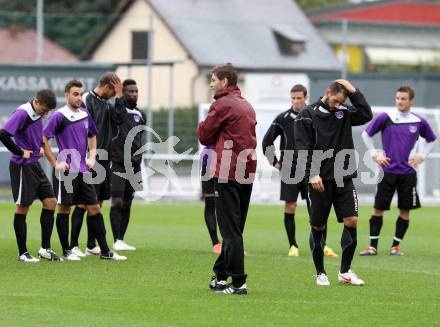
{"points": [[230, 128], [324, 129], [103, 113], [122, 190], [73, 128], [28, 179], [208, 196], [283, 126], [400, 131]]}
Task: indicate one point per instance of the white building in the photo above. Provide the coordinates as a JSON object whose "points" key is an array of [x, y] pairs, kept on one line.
{"points": [[266, 40]]}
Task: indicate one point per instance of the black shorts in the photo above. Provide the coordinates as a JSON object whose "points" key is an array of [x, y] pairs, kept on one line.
{"points": [[406, 185], [207, 185], [80, 193], [29, 182], [344, 200], [103, 189], [290, 192], [121, 187]]}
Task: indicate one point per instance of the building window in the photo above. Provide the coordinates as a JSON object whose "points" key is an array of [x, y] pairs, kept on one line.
{"points": [[289, 47], [139, 45], [291, 42]]}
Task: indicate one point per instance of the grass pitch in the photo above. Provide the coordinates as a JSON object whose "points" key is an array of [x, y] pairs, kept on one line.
{"points": [[165, 282]]}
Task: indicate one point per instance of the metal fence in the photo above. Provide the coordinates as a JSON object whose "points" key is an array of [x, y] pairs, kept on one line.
{"points": [[186, 183]]}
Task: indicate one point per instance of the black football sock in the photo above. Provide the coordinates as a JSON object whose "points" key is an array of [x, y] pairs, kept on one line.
{"points": [[115, 221], [210, 219], [316, 245], [97, 222], [401, 227], [77, 221], [348, 244], [376, 223], [46, 222], [125, 219], [20, 232], [289, 225], [324, 235], [63, 230], [90, 234]]}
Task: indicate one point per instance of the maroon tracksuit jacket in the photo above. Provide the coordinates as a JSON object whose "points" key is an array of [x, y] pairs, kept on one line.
{"points": [[231, 119]]}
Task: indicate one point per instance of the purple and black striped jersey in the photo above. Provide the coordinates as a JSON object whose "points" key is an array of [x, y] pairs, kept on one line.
{"points": [[71, 130], [400, 132], [26, 126]]}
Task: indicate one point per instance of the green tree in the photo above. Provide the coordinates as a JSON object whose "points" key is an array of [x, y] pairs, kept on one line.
{"points": [[75, 23], [72, 24], [308, 4]]}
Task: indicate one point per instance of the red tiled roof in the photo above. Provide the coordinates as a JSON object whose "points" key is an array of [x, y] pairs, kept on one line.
{"points": [[394, 13], [18, 47]]}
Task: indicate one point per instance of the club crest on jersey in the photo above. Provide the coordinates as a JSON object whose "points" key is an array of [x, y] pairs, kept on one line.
{"points": [[339, 114], [136, 118], [413, 129], [86, 124]]}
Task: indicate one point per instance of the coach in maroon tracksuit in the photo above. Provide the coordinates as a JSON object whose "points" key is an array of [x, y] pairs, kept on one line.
{"points": [[230, 127]]}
